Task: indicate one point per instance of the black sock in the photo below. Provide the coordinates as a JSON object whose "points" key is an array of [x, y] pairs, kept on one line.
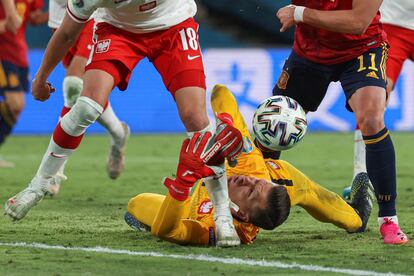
{"points": [[380, 161], [7, 121]]}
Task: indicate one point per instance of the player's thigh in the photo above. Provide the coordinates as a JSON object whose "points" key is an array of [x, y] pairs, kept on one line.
{"points": [[97, 85], [75, 60], [366, 76], [368, 104], [77, 66], [304, 81], [178, 58], [116, 52]]}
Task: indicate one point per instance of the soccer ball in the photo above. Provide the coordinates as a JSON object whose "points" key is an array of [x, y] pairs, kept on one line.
{"points": [[279, 123]]}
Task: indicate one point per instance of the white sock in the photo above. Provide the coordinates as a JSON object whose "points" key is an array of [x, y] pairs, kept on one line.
{"points": [[381, 220], [74, 123], [359, 153], [219, 195], [110, 121], [53, 160]]}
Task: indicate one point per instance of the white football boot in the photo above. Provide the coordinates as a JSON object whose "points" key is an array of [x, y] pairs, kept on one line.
{"points": [[19, 205], [116, 158], [226, 234]]}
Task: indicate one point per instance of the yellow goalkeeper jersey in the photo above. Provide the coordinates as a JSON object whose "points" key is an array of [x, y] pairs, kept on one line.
{"points": [[192, 221]]}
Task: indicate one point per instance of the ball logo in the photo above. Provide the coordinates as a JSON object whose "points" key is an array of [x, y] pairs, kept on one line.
{"points": [[103, 46], [206, 207]]}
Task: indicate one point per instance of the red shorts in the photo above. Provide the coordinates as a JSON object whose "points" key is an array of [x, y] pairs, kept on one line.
{"points": [[175, 53], [401, 42], [83, 44]]}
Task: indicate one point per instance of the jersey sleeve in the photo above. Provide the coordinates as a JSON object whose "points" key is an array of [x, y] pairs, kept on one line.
{"points": [[320, 203], [81, 10]]}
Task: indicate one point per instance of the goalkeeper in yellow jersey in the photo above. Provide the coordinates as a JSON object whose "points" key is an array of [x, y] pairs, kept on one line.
{"points": [[262, 191]]}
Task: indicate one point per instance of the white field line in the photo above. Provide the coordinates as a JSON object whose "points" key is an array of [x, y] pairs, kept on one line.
{"points": [[204, 258]]}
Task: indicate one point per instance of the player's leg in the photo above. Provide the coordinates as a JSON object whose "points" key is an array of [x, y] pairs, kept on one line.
{"points": [[7, 122], [400, 50], [72, 87], [184, 78], [368, 103], [13, 85], [360, 170], [66, 138], [192, 109], [10, 109], [75, 62]]}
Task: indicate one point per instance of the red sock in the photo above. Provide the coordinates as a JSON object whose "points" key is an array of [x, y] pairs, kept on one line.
{"points": [[64, 140]]}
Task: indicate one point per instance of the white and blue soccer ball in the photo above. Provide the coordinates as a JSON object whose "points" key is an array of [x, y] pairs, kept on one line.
{"points": [[279, 123]]}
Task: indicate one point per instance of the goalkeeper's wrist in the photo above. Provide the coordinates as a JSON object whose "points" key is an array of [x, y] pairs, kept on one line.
{"points": [[179, 193], [177, 190], [298, 14]]}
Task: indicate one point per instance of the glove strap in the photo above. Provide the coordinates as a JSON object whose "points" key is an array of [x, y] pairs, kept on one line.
{"points": [[225, 118], [177, 190]]}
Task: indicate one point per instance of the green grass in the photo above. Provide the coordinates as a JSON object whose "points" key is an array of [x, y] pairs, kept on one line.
{"points": [[89, 212]]}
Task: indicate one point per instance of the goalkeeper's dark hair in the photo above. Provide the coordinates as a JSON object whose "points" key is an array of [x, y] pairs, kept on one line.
{"points": [[276, 212]]}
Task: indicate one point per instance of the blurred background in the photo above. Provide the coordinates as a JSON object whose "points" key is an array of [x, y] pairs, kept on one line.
{"points": [[242, 48]]}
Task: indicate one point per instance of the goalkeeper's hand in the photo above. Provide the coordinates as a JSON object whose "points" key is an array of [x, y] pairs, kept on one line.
{"points": [[192, 165], [230, 140]]}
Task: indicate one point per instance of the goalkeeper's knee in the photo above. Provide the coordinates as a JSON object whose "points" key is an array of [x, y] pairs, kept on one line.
{"points": [[72, 88]]}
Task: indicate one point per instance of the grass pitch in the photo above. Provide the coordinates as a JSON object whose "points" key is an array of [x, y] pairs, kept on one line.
{"points": [[89, 212]]}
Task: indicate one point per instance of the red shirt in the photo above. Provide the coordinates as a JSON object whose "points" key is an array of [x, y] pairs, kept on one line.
{"points": [[13, 46], [326, 47]]}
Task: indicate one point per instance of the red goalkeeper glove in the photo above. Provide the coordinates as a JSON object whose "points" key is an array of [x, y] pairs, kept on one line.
{"points": [[229, 139], [192, 166]]}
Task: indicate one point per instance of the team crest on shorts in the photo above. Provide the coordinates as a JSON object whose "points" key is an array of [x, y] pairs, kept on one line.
{"points": [[13, 80], [206, 207], [283, 80], [102, 46]]}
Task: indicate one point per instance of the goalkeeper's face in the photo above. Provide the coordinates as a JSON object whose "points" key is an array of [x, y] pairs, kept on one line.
{"points": [[249, 193], [260, 202]]}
